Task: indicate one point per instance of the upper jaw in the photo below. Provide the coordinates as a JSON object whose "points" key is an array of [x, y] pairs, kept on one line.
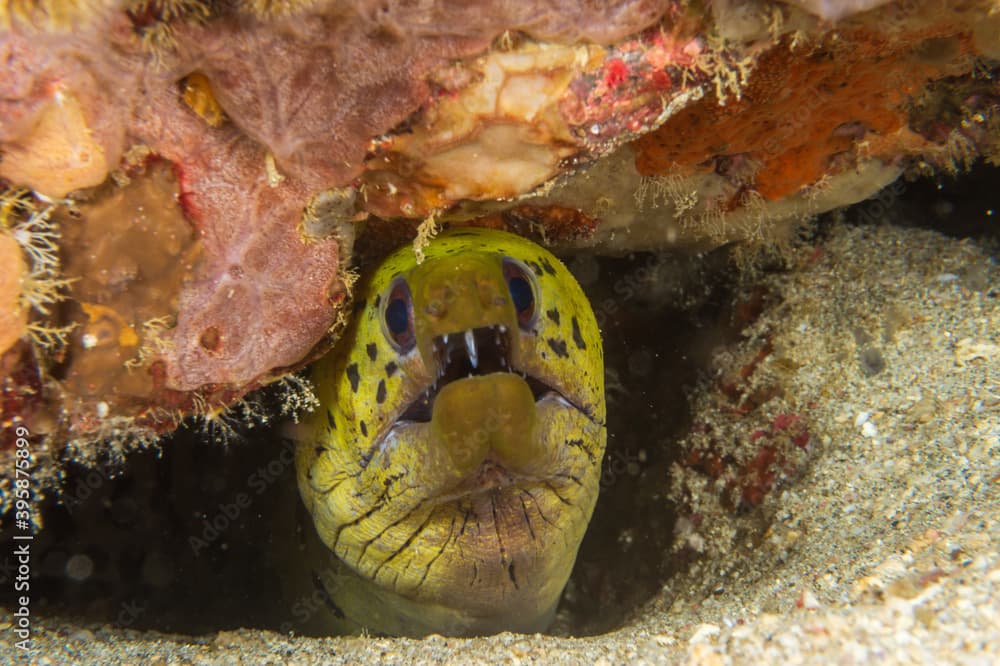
{"points": [[470, 353]]}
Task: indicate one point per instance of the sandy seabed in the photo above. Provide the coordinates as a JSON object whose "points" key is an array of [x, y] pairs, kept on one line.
{"points": [[886, 549]]}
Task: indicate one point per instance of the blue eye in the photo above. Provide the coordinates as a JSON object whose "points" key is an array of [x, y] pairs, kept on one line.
{"points": [[397, 315], [522, 291]]}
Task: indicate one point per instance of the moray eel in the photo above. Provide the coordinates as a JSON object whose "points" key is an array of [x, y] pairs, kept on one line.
{"points": [[454, 464]]}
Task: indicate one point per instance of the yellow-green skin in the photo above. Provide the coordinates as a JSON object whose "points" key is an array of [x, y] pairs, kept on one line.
{"points": [[428, 539]]}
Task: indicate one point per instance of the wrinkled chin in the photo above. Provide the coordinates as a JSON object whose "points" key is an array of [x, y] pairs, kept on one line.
{"points": [[501, 553]]}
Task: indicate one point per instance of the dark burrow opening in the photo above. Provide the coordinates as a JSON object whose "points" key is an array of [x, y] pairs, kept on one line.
{"points": [[960, 206], [190, 537]]}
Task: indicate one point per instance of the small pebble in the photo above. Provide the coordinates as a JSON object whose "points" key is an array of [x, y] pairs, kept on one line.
{"points": [[82, 635], [924, 410], [809, 600], [704, 632]]}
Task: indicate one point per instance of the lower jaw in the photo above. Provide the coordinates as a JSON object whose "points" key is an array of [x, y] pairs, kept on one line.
{"points": [[503, 528], [469, 590], [370, 608], [503, 569]]}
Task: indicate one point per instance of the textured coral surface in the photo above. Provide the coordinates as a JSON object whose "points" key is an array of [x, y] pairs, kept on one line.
{"points": [[797, 115]]}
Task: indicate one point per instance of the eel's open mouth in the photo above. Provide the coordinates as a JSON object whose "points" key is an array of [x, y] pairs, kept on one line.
{"points": [[474, 352]]}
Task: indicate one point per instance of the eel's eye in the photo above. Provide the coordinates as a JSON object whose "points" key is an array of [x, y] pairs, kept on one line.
{"points": [[397, 317], [522, 290]]}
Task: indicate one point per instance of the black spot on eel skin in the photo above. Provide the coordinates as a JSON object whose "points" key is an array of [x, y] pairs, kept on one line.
{"points": [[380, 393], [353, 376], [578, 443], [553, 314], [559, 347], [577, 338], [372, 350]]}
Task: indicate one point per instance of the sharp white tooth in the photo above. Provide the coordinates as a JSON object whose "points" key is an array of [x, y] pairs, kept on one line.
{"points": [[503, 329], [445, 338], [561, 400], [470, 346]]}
